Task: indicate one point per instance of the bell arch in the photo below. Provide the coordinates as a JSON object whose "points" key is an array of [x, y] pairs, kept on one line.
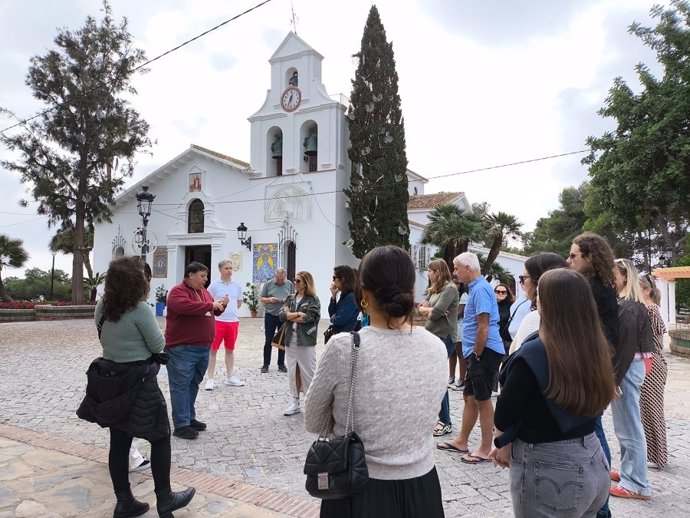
{"points": [[309, 146]]}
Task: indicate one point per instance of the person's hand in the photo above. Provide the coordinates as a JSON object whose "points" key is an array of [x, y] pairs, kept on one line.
{"points": [[424, 304], [274, 300], [333, 289], [218, 306], [501, 456], [225, 301]]}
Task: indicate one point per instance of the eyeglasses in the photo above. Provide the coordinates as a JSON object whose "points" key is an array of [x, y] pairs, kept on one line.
{"points": [[522, 278], [501, 292]]}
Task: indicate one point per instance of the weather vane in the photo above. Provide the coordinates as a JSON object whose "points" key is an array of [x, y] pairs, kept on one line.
{"points": [[293, 18]]}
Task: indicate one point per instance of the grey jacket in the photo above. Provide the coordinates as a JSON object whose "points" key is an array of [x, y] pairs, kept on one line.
{"points": [[307, 332]]}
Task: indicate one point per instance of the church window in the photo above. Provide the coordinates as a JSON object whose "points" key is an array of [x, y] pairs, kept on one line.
{"points": [[196, 217], [310, 146]]}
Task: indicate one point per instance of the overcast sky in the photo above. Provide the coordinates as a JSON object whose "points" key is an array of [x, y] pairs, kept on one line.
{"points": [[482, 84]]}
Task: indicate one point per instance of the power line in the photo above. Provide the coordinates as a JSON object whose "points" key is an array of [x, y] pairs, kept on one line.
{"points": [[102, 84]]}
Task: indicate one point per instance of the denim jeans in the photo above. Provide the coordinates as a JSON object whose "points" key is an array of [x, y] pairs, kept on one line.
{"points": [[604, 512], [627, 424], [567, 478], [186, 369], [444, 414], [271, 323]]}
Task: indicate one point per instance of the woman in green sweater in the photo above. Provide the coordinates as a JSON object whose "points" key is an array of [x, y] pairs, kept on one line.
{"points": [[441, 311], [130, 336]]}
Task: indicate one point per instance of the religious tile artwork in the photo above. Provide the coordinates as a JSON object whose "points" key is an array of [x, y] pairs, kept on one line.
{"points": [[265, 261], [194, 182], [236, 258], [160, 263]]}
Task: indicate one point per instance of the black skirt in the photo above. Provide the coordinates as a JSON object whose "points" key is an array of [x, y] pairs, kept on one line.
{"points": [[411, 498]]}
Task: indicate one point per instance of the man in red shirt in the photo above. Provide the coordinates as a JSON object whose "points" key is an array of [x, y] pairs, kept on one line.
{"points": [[189, 332]]}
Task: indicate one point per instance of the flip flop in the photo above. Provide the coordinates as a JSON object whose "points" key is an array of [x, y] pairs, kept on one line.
{"points": [[447, 446], [473, 459]]}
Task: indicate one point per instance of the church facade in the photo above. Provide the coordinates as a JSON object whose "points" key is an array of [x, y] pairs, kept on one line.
{"points": [[288, 197]]}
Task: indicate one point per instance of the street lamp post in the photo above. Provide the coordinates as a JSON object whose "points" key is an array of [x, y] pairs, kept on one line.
{"points": [[144, 201], [52, 276]]}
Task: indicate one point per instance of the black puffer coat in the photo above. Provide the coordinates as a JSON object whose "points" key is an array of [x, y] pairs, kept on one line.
{"points": [[126, 396]]}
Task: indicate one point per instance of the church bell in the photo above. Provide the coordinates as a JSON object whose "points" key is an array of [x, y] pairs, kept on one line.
{"points": [[310, 144]]}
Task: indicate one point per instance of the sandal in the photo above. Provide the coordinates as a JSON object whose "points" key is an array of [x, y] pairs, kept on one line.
{"points": [[621, 492], [442, 429]]}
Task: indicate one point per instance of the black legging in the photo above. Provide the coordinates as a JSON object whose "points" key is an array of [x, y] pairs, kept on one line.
{"points": [[118, 461]]}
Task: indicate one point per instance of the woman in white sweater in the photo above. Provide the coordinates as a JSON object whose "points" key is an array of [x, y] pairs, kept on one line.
{"points": [[535, 267], [392, 414]]}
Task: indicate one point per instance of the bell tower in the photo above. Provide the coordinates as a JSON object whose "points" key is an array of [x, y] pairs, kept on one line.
{"points": [[299, 128]]}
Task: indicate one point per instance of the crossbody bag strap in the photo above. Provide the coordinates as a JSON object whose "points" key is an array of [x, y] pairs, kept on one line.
{"points": [[99, 326], [349, 423]]}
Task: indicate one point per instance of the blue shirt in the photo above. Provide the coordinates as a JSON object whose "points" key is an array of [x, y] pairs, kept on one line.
{"points": [[481, 300]]}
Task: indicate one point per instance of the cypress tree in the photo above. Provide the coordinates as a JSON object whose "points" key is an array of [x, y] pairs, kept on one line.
{"points": [[378, 191]]}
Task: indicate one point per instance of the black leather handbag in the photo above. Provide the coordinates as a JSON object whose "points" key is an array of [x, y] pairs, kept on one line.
{"points": [[336, 468]]}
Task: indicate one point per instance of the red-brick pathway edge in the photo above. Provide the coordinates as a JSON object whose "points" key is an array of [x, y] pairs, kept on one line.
{"points": [[269, 499]]}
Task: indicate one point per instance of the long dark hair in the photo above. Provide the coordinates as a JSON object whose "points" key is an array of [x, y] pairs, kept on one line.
{"points": [[125, 287], [600, 255], [389, 274], [540, 263], [579, 358], [347, 278]]}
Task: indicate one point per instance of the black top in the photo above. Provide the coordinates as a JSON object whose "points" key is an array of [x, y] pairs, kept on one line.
{"points": [[607, 307], [522, 404], [504, 319]]}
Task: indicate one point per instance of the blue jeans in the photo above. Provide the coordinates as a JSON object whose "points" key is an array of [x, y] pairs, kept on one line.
{"points": [[567, 478], [604, 512], [627, 424], [271, 324], [186, 369], [444, 414]]}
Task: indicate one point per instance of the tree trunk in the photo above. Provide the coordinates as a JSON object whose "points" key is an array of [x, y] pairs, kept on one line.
{"points": [[4, 296], [493, 253], [77, 257]]}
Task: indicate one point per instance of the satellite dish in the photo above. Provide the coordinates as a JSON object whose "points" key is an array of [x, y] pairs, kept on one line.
{"points": [[138, 241]]}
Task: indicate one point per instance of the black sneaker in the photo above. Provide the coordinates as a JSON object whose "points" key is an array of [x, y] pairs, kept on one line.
{"points": [[282, 368], [264, 369], [197, 425], [186, 432]]}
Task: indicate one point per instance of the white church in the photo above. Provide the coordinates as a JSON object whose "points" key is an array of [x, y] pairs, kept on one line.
{"points": [[288, 197]]}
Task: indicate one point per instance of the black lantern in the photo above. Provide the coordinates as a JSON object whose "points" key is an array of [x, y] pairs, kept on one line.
{"points": [[242, 236], [144, 201]]}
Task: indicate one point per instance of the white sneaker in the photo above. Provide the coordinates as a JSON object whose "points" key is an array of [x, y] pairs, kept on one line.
{"points": [[293, 408], [210, 384], [145, 464], [234, 382]]}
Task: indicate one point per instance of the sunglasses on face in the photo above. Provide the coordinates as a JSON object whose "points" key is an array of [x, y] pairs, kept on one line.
{"points": [[522, 278], [501, 292], [298, 281]]}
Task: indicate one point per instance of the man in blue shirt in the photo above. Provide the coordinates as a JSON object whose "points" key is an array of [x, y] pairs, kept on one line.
{"points": [[483, 349]]}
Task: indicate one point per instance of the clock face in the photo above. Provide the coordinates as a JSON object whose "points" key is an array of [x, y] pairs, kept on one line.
{"points": [[291, 99]]}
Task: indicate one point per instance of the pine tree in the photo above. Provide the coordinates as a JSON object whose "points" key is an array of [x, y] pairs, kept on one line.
{"points": [[378, 192], [76, 154]]}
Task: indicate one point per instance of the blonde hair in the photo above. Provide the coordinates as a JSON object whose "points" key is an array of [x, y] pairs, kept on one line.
{"points": [[308, 280], [631, 290], [647, 283]]}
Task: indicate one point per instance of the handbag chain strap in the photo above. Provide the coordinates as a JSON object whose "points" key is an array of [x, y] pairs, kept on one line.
{"points": [[349, 423]]}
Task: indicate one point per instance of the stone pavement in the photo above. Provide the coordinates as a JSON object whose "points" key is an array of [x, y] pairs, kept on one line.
{"points": [[249, 462]]}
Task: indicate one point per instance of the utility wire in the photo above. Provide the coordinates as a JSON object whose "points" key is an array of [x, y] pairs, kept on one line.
{"points": [[104, 84]]}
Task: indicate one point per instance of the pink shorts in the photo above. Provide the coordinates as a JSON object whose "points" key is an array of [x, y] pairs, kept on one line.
{"points": [[225, 332]]}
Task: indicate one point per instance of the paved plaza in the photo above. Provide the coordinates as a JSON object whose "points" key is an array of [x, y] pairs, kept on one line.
{"points": [[249, 462]]}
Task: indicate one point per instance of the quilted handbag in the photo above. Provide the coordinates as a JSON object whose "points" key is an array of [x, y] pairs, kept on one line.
{"points": [[336, 468]]}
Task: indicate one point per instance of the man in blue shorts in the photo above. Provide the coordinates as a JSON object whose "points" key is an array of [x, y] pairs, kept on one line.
{"points": [[483, 349]]}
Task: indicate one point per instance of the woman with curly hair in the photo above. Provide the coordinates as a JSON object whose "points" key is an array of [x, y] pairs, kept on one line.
{"points": [[130, 336], [591, 255]]}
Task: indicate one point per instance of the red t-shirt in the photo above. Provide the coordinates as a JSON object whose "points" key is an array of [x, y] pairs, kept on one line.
{"points": [[190, 319]]}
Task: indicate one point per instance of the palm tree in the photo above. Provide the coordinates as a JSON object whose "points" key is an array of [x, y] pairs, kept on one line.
{"points": [[92, 283], [12, 255], [451, 230], [498, 227]]}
